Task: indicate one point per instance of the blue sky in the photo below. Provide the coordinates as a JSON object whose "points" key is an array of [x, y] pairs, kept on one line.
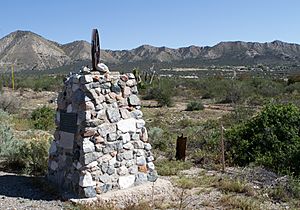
{"points": [[126, 24]]}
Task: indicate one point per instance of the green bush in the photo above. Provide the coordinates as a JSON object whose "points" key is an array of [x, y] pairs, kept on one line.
{"points": [[43, 118], [27, 156], [204, 142], [293, 88], [169, 168], [40, 82], [194, 106], [163, 97], [161, 90], [36, 153], [157, 141], [270, 139]]}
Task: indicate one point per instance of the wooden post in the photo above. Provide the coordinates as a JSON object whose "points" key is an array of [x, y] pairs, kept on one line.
{"points": [[222, 147], [181, 148]]}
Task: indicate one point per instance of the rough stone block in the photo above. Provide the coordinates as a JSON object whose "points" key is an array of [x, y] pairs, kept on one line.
{"points": [[140, 161], [86, 79], [126, 181], [113, 114], [140, 123], [88, 146], [134, 100], [128, 125], [86, 180], [140, 178], [53, 148]]}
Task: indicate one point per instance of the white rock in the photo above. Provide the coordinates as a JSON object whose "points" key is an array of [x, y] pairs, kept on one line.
{"points": [[125, 114], [128, 146], [102, 67], [150, 159], [112, 161], [105, 158], [131, 76], [53, 148], [140, 161], [128, 125], [86, 79], [69, 108], [53, 165], [106, 128], [88, 146], [122, 170], [147, 146], [86, 180], [150, 165], [144, 135], [86, 69], [140, 123], [125, 138], [78, 165], [126, 181], [92, 164]]}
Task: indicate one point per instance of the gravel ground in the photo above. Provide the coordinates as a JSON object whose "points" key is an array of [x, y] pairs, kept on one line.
{"points": [[18, 192]]}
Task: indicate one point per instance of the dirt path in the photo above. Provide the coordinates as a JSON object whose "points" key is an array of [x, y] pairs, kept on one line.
{"points": [[18, 192]]}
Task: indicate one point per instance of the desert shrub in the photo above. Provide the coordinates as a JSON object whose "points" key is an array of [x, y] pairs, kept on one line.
{"points": [[169, 168], [194, 106], [234, 93], [256, 100], [286, 191], [9, 103], [35, 152], [239, 202], [21, 123], [293, 88], [10, 146], [161, 90], [156, 137], [43, 118], [27, 155], [162, 141], [266, 87], [164, 98], [293, 79], [204, 143], [232, 185], [271, 139], [39, 83], [13, 151]]}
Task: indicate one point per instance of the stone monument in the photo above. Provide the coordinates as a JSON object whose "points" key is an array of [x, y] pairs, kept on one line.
{"points": [[101, 142]]}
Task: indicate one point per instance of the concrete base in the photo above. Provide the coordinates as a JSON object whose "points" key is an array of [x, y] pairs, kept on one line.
{"points": [[146, 192]]}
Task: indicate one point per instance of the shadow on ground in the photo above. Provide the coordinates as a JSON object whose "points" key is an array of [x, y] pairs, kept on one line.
{"points": [[34, 188]]}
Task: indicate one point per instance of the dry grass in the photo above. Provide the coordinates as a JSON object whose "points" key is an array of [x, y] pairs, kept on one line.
{"points": [[239, 202], [235, 186]]}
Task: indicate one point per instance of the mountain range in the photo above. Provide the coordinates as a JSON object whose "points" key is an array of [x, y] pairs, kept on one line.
{"points": [[30, 51]]}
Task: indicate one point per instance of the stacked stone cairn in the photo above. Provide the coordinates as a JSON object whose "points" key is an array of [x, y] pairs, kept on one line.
{"points": [[107, 148]]}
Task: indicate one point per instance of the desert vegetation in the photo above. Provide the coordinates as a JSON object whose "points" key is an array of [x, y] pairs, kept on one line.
{"points": [[260, 117]]}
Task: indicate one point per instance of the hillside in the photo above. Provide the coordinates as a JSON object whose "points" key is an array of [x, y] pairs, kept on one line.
{"points": [[29, 51]]}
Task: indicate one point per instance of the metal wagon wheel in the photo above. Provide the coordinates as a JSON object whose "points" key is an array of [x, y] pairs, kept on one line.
{"points": [[95, 48]]}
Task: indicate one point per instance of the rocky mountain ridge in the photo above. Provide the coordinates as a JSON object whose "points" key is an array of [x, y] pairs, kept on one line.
{"points": [[30, 51]]}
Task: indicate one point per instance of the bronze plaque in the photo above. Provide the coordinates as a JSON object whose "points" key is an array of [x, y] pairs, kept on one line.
{"points": [[68, 122]]}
